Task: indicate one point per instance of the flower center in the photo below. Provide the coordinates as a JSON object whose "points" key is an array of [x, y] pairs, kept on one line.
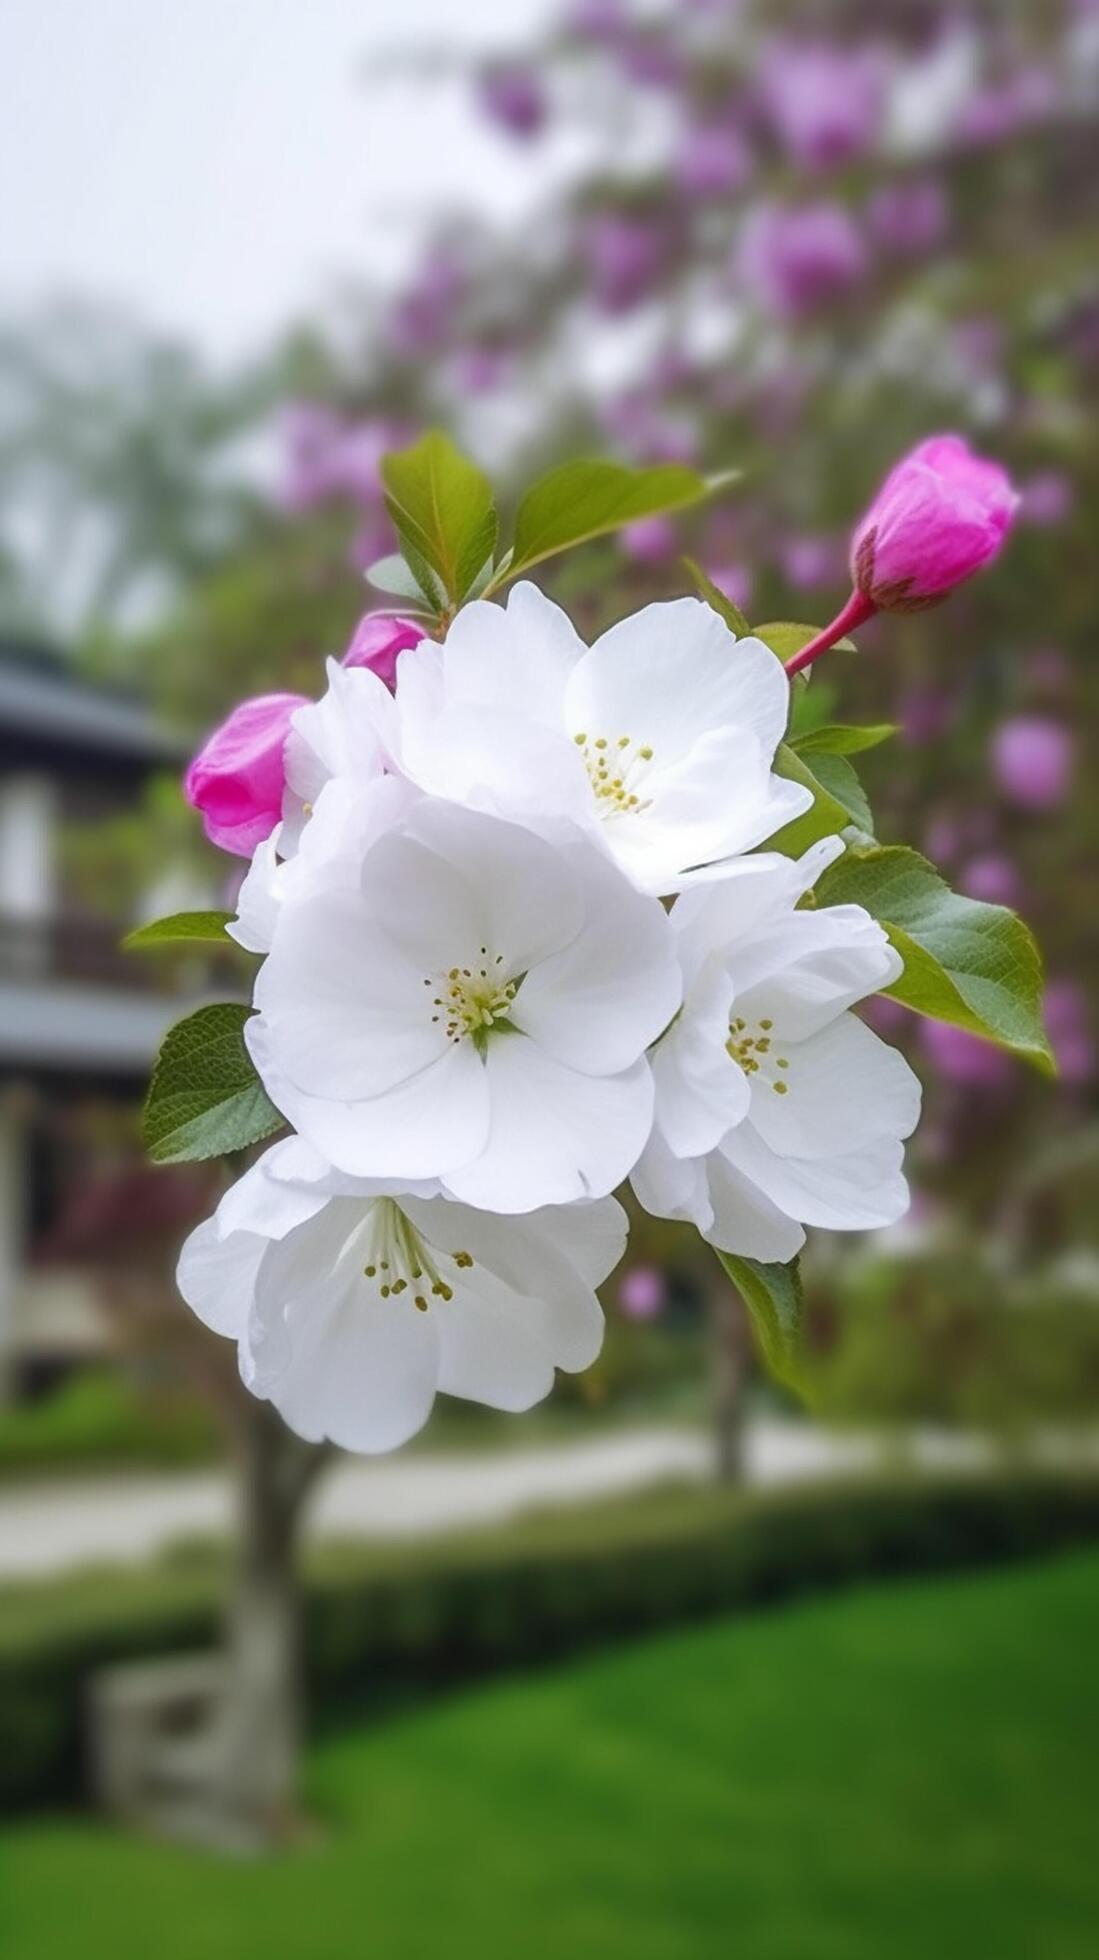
{"points": [[399, 1259], [473, 1000], [617, 767], [750, 1046]]}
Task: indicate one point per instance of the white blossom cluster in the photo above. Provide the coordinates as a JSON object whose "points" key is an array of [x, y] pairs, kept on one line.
{"points": [[520, 946]]}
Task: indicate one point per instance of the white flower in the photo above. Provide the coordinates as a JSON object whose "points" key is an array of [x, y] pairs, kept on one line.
{"points": [[450, 996], [352, 1304], [775, 1107], [658, 739], [344, 734]]}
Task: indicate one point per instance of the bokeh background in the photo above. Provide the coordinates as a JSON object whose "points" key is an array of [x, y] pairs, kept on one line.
{"points": [[248, 247]]}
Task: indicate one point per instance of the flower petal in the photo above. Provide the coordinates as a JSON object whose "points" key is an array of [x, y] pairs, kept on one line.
{"points": [[843, 1089]]}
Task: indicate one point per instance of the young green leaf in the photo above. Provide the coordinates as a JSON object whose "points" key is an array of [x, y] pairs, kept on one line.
{"points": [[395, 576], [443, 508], [786, 639], [775, 1302], [178, 928], [838, 779], [972, 964], [205, 1098], [720, 602], [827, 817], [584, 500], [836, 738]]}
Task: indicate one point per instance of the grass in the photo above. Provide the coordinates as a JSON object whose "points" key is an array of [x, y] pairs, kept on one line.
{"points": [[906, 1769]]}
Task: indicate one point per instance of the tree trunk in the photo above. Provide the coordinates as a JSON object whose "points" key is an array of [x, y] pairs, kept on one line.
{"points": [[263, 1715], [729, 1340]]}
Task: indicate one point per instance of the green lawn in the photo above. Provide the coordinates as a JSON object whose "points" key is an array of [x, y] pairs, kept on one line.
{"points": [[901, 1771]]}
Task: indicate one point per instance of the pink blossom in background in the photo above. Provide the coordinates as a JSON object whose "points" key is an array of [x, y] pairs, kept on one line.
{"points": [[793, 259], [887, 1017], [1032, 757], [423, 313], [237, 778], [1068, 1025], [925, 715], [514, 99], [824, 102], [712, 160], [942, 840], [965, 1059], [642, 1292], [372, 540], [482, 370], [597, 20], [942, 514], [309, 433], [979, 345], [378, 639], [809, 562], [735, 581], [625, 256], [1047, 499], [993, 877], [650, 540], [906, 219], [1000, 110], [650, 60]]}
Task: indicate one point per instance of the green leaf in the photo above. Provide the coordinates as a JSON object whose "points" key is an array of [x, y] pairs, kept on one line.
{"points": [[205, 1098], [443, 508], [973, 965], [786, 639], [721, 603], [179, 927], [827, 817], [836, 738], [776, 1304], [395, 576], [584, 500], [838, 780]]}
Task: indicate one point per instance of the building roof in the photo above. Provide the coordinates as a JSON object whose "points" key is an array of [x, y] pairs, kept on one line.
{"points": [[56, 1025], [41, 697]]}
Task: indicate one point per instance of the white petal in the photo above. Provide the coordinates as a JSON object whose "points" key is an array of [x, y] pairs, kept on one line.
{"points": [[852, 1192], [672, 1187], [424, 1128], [349, 1015], [342, 734], [555, 1135], [670, 674], [351, 1366], [843, 1088], [700, 1091], [741, 897], [806, 970], [529, 649], [217, 1276], [599, 1003], [745, 1221], [259, 898], [528, 894]]}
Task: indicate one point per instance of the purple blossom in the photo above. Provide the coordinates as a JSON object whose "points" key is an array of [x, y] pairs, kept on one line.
{"points": [[925, 715], [993, 877], [1047, 499], [999, 110], [824, 102], [514, 99], [811, 561], [712, 160], [625, 256], [794, 259], [735, 581], [1032, 757], [642, 1292], [907, 219], [965, 1059], [649, 540], [1067, 1022]]}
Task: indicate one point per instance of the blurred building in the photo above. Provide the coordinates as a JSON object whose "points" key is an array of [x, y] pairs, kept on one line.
{"points": [[80, 1020]]}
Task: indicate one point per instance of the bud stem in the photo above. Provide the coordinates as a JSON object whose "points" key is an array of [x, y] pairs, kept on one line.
{"points": [[855, 613]]}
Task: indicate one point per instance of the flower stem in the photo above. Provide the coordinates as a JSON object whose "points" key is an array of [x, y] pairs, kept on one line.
{"points": [[855, 613]]}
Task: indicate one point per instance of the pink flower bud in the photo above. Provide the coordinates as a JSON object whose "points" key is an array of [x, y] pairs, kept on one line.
{"points": [[939, 517], [378, 639], [237, 777]]}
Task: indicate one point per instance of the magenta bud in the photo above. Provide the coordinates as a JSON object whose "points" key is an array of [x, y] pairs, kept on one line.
{"points": [[237, 777], [378, 639], [940, 515]]}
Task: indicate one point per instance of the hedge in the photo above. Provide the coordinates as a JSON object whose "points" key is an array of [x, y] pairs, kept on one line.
{"points": [[385, 1623]]}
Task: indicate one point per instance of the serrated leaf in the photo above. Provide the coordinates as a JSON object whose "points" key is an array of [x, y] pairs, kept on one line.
{"points": [[720, 602], [443, 508], [837, 738], [968, 963], [786, 639], [177, 928], [776, 1307], [838, 780], [827, 817], [205, 1098], [588, 499]]}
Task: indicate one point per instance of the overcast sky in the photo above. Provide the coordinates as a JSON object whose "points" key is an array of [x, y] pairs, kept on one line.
{"points": [[217, 164]]}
